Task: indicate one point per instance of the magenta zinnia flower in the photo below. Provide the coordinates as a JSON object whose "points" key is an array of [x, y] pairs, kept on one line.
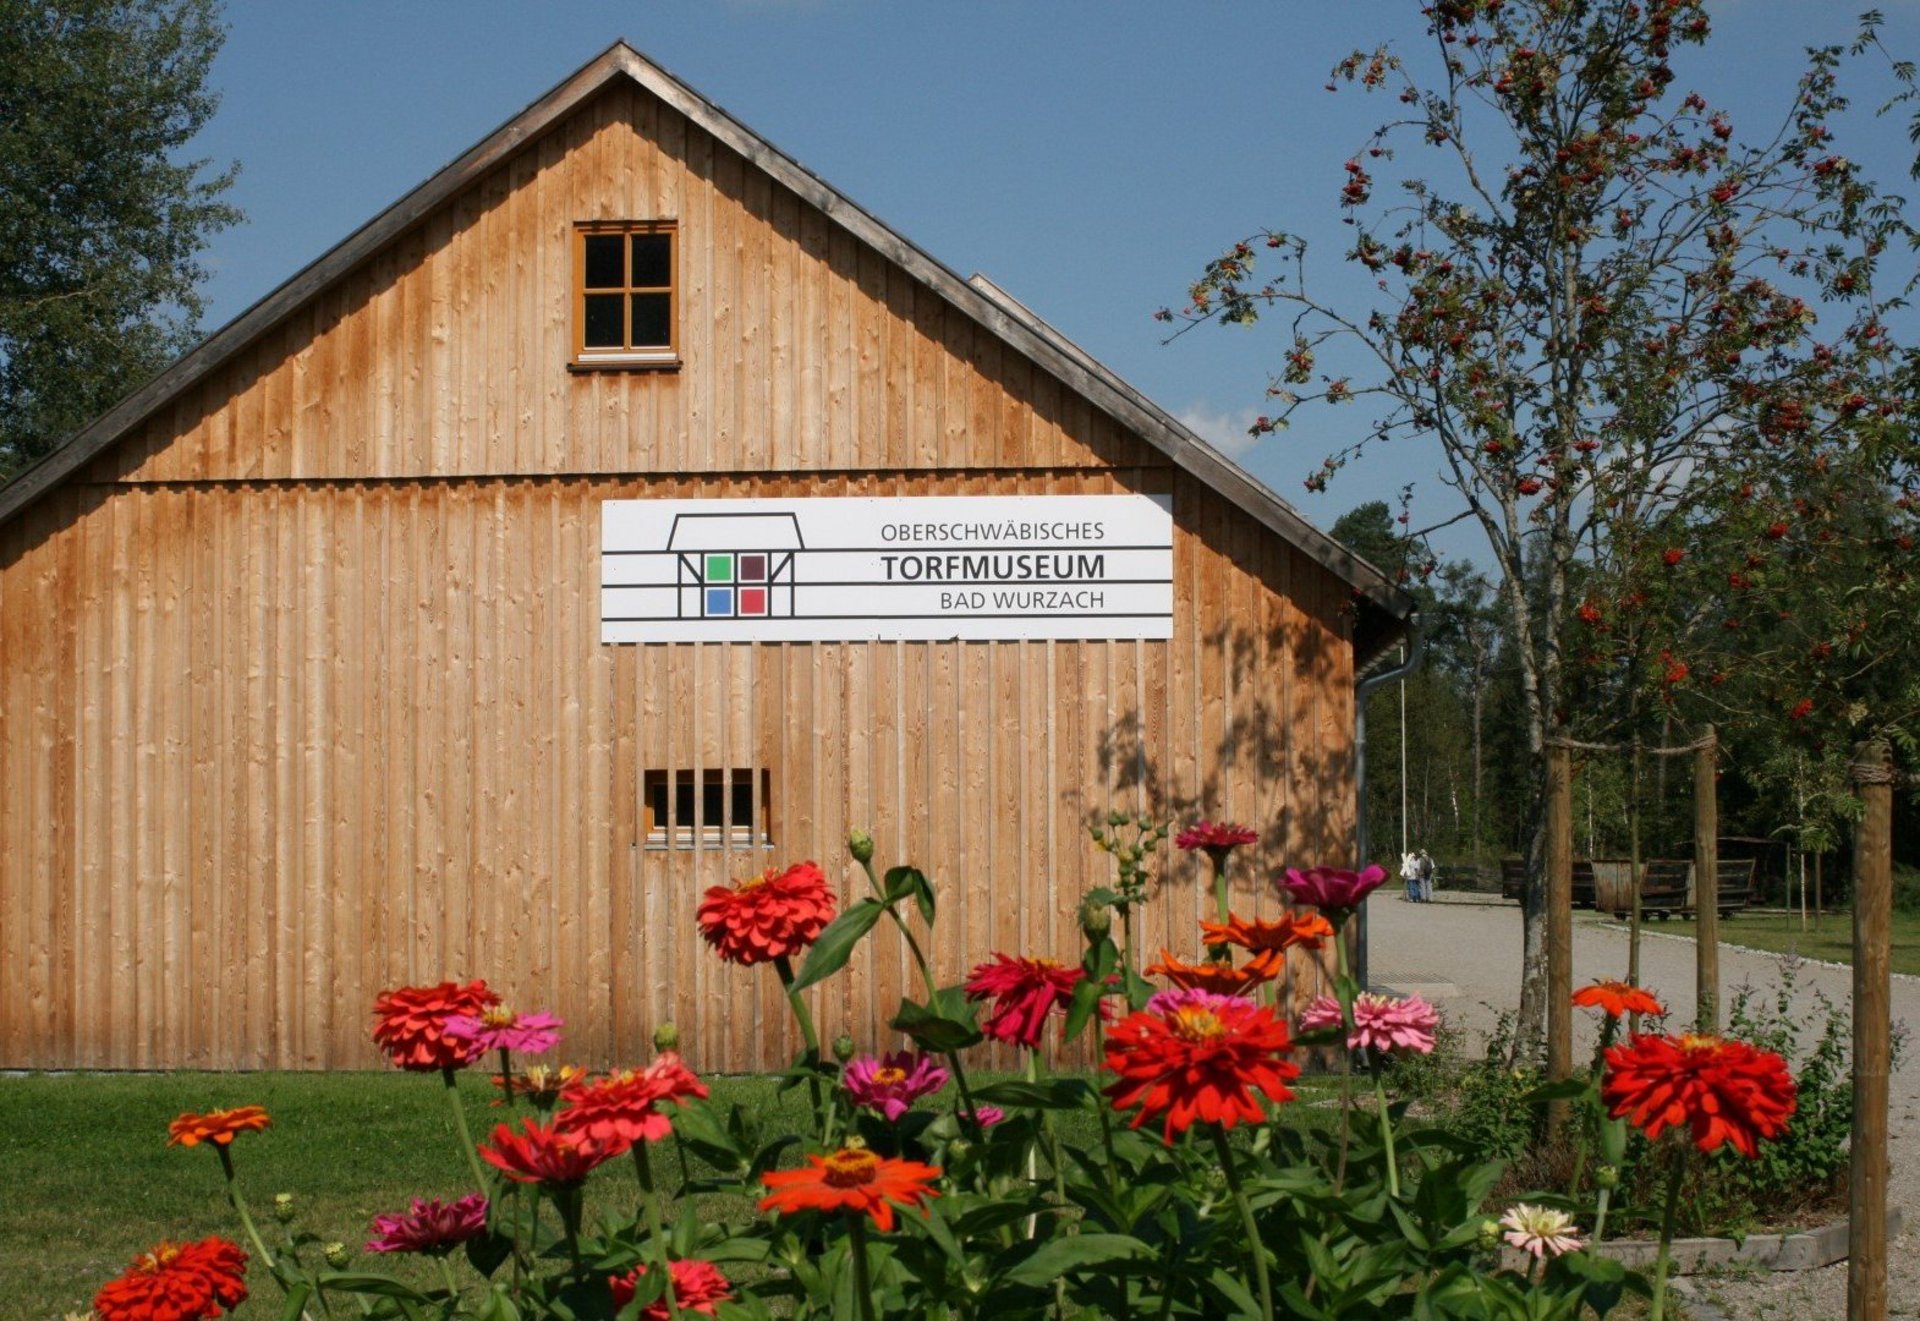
{"points": [[1180, 997], [499, 1028], [1330, 889], [1380, 1022], [892, 1083], [431, 1226], [1024, 992], [1217, 838]]}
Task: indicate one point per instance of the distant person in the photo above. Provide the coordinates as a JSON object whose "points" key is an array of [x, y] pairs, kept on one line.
{"points": [[1416, 869]]}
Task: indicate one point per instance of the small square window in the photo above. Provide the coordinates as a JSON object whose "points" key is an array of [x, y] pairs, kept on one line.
{"points": [[715, 808], [626, 302]]}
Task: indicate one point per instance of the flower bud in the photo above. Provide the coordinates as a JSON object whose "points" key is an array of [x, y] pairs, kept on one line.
{"points": [[843, 1047], [283, 1207], [337, 1255], [1489, 1235], [1096, 919], [1117, 819], [958, 1150], [1607, 1176], [666, 1037], [860, 845]]}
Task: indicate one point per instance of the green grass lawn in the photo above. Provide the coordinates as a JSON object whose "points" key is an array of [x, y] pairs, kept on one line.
{"points": [[1781, 934], [91, 1181]]}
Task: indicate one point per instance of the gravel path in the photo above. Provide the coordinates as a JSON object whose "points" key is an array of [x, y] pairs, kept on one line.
{"points": [[1465, 957]]}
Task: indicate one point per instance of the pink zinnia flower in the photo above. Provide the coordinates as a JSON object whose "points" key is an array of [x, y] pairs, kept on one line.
{"points": [[1217, 838], [892, 1083], [989, 1115], [698, 1287], [1380, 1022], [431, 1226], [1539, 1230], [1165, 1002], [1024, 992], [499, 1028], [1330, 889]]}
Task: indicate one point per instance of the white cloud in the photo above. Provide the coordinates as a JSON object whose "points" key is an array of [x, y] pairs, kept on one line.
{"points": [[1226, 432]]}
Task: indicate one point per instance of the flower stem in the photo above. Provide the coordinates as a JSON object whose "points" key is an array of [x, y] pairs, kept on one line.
{"points": [[239, 1204], [1343, 987], [643, 1166], [1666, 1232], [1600, 1215], [804, 1017], [446, 1274], [1220, 951], [1247, 1222], [1386, 1124], [506, 1077], [460, 1127], [862, 1281]]}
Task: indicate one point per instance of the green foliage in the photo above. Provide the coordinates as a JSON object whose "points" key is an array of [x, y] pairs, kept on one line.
{"points": [[1485, 1104], [101, 222]]}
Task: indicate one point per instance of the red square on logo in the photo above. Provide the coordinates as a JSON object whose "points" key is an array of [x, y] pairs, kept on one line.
{"points": [[753, 600]]}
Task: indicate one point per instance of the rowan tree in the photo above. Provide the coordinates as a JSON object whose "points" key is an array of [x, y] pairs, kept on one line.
{"points": [[101, 222], [1597, 297]]}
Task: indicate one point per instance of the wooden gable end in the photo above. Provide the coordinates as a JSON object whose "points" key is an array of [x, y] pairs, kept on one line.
{"points": [[446, 353]]}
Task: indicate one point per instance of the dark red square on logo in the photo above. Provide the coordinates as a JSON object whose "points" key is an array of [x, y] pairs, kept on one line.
{"points": [[753, 568]]}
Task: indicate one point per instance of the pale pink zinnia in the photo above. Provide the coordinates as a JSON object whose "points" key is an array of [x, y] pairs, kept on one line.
{"points": [[1539, 1230], [431, 1226], [1380, 1022], [499, 1028], [1179, 997], [892, 1083], [1330, 889]]}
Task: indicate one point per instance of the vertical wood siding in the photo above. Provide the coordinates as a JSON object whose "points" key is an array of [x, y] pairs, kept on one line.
{"points": [[302, 693]]}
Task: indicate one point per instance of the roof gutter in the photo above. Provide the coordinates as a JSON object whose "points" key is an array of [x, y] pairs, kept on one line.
{"points": [[1364, 688]]}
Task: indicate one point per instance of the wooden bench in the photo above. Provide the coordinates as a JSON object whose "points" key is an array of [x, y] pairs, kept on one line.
{"points": [[1513, 880]]}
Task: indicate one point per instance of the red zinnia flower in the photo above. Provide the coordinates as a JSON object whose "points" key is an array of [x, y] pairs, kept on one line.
{"points": [[1722, 1091], [1269, 942], [1217, 838], [1618, 999], [1331, 889], [413, 1024], [768, 917], [1194, 1057], [697, 1286], [1024, 992], [176, 1282], [1220, 978], [851, 1179], [544, 1155], [623, 1108], [431, 1226], [219, 1127]]}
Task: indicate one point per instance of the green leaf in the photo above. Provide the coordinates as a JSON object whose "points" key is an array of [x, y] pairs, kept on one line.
{"points": [[486, 1253], [908, 881], [836, 944], [1063, 1256], [947, 1026], [1053, 1094], [372, 1286], [296, 1301]]}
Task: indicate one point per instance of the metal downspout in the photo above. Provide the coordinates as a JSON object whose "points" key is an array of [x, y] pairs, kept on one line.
{"points": [[1416, 648]]}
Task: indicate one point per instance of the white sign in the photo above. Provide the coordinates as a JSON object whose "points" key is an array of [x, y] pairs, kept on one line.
{"points": [[913, 568]]}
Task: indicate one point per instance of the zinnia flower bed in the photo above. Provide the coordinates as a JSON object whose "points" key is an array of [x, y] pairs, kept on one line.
{"points": [[908, 1185]]}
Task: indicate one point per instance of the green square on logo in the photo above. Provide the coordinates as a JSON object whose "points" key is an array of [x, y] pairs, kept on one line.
{"points": [[719, 568]]}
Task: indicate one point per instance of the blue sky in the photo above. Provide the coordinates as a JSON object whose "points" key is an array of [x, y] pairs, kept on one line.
{"points": [[1088, 157]]}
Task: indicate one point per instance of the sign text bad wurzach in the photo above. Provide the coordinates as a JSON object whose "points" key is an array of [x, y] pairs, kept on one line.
{"points": [[906, 568]]}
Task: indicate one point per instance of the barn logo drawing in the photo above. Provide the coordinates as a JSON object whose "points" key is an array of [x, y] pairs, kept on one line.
{"points": [[735, 566]]}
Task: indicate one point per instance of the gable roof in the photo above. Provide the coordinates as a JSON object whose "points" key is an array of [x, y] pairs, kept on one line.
{"points": [[1384, 609]]}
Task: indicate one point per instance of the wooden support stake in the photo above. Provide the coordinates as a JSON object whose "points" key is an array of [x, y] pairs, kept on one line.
{"points": [[1872, 1009], [1559, 926], [1706, 883]]}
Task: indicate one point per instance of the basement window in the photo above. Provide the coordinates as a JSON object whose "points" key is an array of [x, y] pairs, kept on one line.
{"points": [[626, 299], [709, 809]]}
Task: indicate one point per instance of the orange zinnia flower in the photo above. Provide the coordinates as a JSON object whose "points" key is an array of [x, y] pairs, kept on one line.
{"points": [[767, 917], [544, 1155], [623, 1108], [216, 1126], [176, 1282], [1269, 942], [1721, 1091], [851, 1179], [1220, 978], [413, 1024], [1195, 1057], [1618, 999]]}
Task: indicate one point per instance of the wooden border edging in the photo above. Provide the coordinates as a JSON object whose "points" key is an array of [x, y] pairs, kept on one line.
{"points": [[1806, 1250]]}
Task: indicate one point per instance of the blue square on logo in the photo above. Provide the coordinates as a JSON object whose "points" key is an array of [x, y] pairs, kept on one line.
{"points": [[719, 602]]}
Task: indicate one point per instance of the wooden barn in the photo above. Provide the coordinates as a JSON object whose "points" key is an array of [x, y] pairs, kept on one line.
{"points": [[623, 511]]}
